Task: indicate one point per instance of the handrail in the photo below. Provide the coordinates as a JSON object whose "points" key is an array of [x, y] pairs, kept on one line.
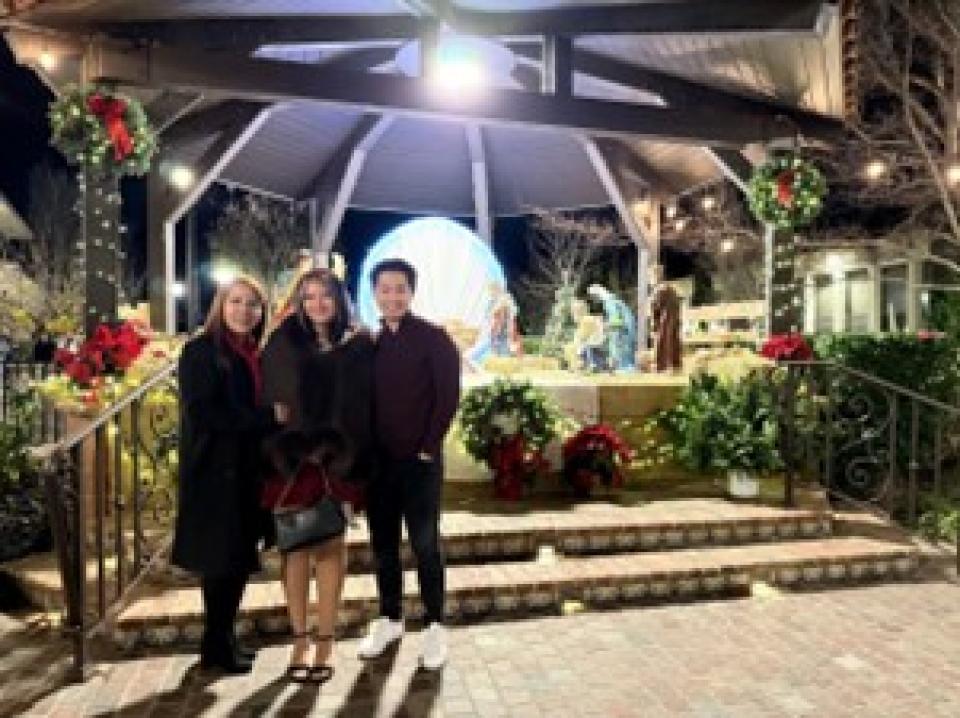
{"points": [[880, 382], [105, 416]]}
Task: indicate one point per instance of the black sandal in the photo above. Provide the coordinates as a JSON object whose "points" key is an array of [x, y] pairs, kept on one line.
{"points": [[322, 673], [300, 672]]}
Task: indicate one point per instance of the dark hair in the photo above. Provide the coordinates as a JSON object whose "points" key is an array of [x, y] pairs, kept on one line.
{"points": [[214, 324], [395, 265], [334, 287]]}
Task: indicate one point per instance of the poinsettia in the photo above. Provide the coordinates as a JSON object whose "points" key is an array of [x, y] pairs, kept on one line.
{"points": [[595, 454], [786, 347], [110, 350]]}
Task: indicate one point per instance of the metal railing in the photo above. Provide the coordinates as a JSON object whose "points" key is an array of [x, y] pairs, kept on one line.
{"points": [[16, 378], [867, 441], [110, 488]]}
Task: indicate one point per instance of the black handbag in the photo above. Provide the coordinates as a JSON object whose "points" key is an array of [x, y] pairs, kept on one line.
{"points": [[305, 526]]}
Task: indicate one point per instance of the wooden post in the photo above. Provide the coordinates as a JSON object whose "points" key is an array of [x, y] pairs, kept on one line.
{"points": [[101, 244]]}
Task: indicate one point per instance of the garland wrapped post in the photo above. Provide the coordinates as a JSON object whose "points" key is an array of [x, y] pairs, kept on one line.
{"points": [[506, 425], [108, 136], [784, 194]]}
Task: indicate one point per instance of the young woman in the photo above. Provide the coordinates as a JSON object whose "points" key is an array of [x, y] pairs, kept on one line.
{"points": [[222, 424], [320, 366]]}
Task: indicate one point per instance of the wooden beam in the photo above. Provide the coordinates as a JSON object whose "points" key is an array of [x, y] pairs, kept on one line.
{"points": [[267, 80], [328, 177], [480, 178], [169, 106], [335, 210], [746, 17], [211, 120], [557, 61], [680, 92], [734, 165]]}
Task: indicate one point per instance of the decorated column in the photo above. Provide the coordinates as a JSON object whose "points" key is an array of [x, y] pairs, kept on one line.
{"points": [[107, 135], [785, 193]]}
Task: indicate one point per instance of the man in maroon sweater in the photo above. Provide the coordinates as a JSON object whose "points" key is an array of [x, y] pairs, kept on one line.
{"points": [[416, 390]]}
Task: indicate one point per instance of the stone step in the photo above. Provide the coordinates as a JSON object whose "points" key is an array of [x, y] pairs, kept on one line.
{"points": [[597, 528], [513, 589], [484, 531]]}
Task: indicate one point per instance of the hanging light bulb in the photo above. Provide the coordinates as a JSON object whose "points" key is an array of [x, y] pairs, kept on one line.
{"points": [[708, 202], [875, 169], [671, 211]]}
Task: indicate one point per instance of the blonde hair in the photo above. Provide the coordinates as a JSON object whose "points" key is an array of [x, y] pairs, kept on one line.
{"points": [[215, 325]]}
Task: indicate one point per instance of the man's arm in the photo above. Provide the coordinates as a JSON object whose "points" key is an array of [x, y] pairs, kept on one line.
{"points": [[444, 362]]}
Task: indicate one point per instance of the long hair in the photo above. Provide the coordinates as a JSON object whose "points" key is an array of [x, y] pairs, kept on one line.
{"points": [[334, 287], [215, 325]]}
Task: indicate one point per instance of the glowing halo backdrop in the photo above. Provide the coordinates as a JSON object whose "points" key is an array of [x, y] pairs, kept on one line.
{"points": [[455, 269]]}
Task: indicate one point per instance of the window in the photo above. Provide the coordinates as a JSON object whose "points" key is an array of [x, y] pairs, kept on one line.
{"points": [[893, 298], [825, 298], [858, 301]]}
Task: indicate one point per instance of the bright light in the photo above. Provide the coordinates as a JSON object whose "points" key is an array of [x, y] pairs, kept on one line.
{"points": [[952, 173], [875, 169], [181, 177], [223, 274], [727, 245], [461, 62], [835, 263], [671, 211], [48, 61], [178, 289], [680, 224], [708, 202]]}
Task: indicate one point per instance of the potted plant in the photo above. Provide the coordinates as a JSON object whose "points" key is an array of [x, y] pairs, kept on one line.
{"points": [[726, 428], [506, 425], [594, 455]]}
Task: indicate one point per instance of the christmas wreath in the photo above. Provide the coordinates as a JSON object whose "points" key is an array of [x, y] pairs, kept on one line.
{"points": [[594, 455], [506, 424], [786, 192], [103, 131]]}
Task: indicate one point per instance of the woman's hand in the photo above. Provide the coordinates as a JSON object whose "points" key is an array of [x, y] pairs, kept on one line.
{"points": [[281, 412]]}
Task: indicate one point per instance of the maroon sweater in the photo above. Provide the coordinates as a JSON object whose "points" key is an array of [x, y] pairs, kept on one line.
{"points": [[417, 387]]}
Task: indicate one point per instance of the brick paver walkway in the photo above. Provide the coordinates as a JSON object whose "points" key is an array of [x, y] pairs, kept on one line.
{"points": [[879, 651]]}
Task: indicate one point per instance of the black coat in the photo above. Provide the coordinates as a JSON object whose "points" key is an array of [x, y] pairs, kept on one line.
{"points": [[219, 519], [330, 395]]}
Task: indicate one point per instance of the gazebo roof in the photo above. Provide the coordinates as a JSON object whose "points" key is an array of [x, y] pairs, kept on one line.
{"points": [[704, 56]]}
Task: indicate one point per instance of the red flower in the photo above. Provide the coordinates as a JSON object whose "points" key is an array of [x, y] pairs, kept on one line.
{"points": [[786, 347], [926, 335], [110, 350], [80, 372]]}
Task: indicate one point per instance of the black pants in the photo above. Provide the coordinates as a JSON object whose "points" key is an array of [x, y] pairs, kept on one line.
{"points": [[221, 601], [408, 490]]}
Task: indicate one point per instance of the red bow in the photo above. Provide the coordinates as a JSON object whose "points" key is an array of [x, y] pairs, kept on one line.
{"points": [[785, 188], [111, 111]]}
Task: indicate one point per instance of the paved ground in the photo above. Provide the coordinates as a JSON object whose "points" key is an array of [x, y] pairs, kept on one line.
{"points": [[881, 651]]}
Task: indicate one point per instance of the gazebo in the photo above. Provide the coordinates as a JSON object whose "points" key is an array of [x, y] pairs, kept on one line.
{"points": [[584, 103]]}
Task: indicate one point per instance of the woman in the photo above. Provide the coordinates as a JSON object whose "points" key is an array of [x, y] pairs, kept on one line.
{"points": [[320, 366], [219, 518]]}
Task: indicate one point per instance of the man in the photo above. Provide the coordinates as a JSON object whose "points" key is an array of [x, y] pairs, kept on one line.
{"points": [[416, 390]]}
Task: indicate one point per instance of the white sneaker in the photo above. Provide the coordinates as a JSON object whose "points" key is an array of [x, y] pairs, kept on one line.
{"points": [[382, 633], [433, 652]]}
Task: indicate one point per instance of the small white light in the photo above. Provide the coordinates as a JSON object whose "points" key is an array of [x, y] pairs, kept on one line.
{"points": [[671, 211], [708, 202], [48, 61], [181, 177], [952, 173], [222, 274], [875, 169], [178, 289], [680, 224], [727, 245]]}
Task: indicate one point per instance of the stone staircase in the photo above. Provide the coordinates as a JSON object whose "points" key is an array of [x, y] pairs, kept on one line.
{"points": [[549, 560], [552, 557]]}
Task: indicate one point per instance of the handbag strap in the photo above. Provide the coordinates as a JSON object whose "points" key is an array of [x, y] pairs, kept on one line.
{"points": [[293, 480]]}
